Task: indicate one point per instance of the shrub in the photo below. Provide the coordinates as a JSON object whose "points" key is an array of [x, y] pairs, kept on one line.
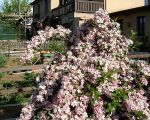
{"points": [[136, 42], [29, 80], [8, 84], [4, 100], [30, 76], [57, 46], [95, 80], [26, 83], [15, 98]]}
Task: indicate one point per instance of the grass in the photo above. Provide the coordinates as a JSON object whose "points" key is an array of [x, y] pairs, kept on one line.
{"points": [[13, 77], [12, 62]]}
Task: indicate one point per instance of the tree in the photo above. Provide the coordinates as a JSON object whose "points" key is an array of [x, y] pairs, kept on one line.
{"points": [[7, 18], [16, 7]]}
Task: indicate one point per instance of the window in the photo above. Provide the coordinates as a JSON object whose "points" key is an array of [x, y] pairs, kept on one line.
{"points": [[141, 25]]}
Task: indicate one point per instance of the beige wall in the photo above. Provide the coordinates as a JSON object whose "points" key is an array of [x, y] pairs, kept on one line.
{"points": [[84, 15], [113, 5], [118, 5], [54, 3]]}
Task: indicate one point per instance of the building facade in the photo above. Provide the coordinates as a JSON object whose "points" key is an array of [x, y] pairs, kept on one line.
{"points": [[71, 13], [118, 5], [138, 20], [131, 14], [42, 8]]}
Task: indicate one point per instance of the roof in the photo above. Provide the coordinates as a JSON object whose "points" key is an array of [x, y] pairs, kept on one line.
{"points": [[34, 2], [132, 10]]}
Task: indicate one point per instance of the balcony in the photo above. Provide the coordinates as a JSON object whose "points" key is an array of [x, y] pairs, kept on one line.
{"points": [[88, 6], [62, 10], [78, 6]]}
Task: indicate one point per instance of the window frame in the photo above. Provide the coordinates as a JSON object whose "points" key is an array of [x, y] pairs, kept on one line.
{"points": [[141, 25]]}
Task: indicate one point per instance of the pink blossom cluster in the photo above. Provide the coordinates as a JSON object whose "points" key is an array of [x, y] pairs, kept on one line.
{"points": [[99, 111], [27, 112], [80, 84], [137, 101], [41, 38]]}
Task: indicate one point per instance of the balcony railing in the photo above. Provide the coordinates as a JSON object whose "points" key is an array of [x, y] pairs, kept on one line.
{"points": [[79, 6], [62, 10], [88, 6]]}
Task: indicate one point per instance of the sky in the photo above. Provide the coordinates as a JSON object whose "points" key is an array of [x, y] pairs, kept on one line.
{"points": [[1, 1]]}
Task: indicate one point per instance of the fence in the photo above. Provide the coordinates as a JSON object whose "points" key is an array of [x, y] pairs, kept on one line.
{"points": [[88, 6], [10, 32], [12, 36]]}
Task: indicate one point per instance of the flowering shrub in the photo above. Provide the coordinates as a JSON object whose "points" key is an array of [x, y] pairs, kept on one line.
{"points": [[95, 80], [42, 37]]}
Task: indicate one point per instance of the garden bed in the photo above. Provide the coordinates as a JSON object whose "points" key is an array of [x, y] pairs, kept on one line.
{"points": [[15, 91]]}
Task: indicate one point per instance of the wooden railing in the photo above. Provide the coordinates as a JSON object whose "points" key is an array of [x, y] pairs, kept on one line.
{"points": [[62, 10], [88, 6], [78, 6]]}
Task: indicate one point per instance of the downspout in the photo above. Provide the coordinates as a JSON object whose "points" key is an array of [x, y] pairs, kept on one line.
{"points": [[105, 1]]}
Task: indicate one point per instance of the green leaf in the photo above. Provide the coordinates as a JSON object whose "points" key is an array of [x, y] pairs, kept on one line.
{"points": [[117, 97], [139, 115], [93, 92]]}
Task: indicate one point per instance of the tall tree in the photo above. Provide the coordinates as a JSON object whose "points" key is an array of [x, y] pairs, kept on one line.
{"points": [[16, 7]]}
